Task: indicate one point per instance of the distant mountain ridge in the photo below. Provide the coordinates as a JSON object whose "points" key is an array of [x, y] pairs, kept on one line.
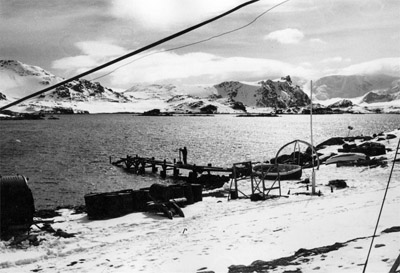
{"points": [[340, 86], [362, 93]]}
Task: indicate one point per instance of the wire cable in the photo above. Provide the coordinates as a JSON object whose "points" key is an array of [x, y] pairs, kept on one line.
{"points": [[383, 202], [197, 42], [173, 36]]}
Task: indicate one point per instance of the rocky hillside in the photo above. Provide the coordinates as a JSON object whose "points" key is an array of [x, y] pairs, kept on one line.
{"points": [[226, 97], [374, 94], [353, 86], [278, 94], [19, 80]]}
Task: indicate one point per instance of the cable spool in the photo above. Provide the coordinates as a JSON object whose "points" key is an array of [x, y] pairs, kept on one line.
{"points": [[17, 204]]}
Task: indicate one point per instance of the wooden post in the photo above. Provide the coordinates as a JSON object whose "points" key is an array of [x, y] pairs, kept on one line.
{"points": [[153, 165], [128, 162], [163, 173], [142, 169], [176, 170]]}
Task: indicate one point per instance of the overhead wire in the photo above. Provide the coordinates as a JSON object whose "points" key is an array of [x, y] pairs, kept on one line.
{"points": [[173, 36], [383, 202], [195, 43]]}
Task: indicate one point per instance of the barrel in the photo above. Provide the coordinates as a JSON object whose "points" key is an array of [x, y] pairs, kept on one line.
{"points": [[127, 200], [114, 204], [140, 199], [95, 206], [109, 205], [160, 192], [187, 188], [197, 190], [234, 194], [176, 191], [17, 204]]}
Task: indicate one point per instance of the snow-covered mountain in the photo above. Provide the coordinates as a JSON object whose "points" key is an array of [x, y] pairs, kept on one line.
{"points": [[340, 86], [363, 94], [18, 80], [378, 94]]}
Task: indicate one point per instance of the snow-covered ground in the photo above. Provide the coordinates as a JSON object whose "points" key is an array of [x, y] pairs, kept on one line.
{"points": [[217, 233]]}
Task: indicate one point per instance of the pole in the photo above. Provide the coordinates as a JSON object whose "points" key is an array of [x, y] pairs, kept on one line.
{"points": [[312, 144]]}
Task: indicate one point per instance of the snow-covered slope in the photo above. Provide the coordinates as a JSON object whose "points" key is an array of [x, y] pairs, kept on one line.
{"points": [[351, 86], [378, 93], [18, 80]]}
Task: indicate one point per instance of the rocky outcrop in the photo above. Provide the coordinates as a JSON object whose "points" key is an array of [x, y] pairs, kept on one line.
{"points": [[341, 104], [281, 94], [209, 109], [83, 89]]}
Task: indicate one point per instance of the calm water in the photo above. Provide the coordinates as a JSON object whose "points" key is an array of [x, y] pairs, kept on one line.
{"points": [[67, 158]]}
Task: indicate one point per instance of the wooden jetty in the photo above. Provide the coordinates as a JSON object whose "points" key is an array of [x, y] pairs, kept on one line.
{"points": [[239, 171], [138, 165]]}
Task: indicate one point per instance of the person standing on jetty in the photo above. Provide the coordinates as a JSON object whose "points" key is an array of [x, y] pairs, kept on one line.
{"points": [[184, 155]]}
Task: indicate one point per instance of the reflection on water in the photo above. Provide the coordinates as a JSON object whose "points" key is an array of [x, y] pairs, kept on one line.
{"points": [[67, 158]]}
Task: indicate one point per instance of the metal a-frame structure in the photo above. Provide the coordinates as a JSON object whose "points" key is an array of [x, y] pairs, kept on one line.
{"points": [[259, 188]]}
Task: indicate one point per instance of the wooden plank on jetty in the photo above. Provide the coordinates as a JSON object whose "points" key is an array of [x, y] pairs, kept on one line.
{"points": [[139, 164]]}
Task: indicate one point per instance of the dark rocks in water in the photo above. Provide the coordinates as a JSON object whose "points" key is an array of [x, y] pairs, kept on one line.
{"points": [[209, 109], [362, 138], [258, 115], [319, 111], [330, 142], [372, 148], [338, 183], [155, 112], [298, 158], [367, 148], [341, 104], [390, 136], [22, 116]]}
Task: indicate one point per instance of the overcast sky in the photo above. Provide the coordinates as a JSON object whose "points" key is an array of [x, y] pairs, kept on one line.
{"points": [[303, 38]]}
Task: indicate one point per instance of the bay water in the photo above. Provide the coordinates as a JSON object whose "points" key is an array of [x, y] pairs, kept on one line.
{"points": [[67, 158]]}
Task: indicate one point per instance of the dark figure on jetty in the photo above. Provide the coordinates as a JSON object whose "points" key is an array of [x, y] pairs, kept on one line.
{"points": [[184, 155]]}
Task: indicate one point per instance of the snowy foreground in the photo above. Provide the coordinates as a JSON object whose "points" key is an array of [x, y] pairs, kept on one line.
{"points": [[217, 233]]}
